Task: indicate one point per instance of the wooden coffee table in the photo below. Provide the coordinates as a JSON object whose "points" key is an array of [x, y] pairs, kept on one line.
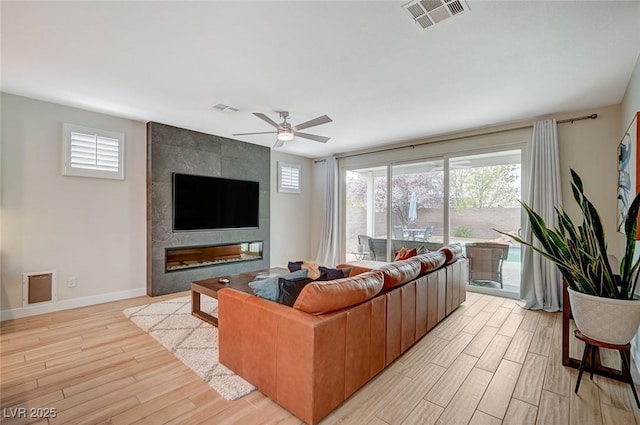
{"points": [[210, 287]]}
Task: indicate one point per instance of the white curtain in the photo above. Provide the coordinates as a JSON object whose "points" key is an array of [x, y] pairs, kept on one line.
{"points": [[328, 248], [541, 286]]}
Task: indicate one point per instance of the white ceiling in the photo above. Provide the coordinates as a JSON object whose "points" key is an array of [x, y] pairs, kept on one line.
{"points": [[378, 75]]}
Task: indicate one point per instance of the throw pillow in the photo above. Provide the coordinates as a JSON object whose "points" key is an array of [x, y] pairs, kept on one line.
{"points": [[268, 288], [400, 254], [294, 265], [410, 253], [314, 270], [422, 250], [406, 253], [297, 274], [289, 289], [333, 274]]}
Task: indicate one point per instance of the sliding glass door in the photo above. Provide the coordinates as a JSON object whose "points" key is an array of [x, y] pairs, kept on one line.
{"points": [[428, 203], [484, 190]]}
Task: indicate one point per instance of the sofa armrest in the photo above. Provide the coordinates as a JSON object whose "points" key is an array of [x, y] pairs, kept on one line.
{"points": [[229, 325]]}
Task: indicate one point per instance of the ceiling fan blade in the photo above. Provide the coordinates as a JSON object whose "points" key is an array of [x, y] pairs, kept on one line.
{"points": [[320, 139], [267, 119], [248, 134], [278, 144], [316, 121]]}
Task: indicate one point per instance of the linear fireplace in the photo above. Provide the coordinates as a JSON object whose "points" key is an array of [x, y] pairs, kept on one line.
{"points": [[173, 150], [192, 257]]}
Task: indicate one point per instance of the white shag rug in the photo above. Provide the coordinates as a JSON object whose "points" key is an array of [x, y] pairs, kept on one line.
{"points": [[191, 340]]}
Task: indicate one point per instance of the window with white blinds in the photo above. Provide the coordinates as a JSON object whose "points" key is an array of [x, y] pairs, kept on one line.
{"points": [[89, 152], [288, 177]]}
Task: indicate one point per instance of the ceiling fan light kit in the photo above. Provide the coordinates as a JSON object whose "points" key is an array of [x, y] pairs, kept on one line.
{"points": [[285, 132]]}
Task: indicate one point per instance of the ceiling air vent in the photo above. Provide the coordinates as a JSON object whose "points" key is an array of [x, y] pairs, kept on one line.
{"points": [[426, 13], [223, 107]]}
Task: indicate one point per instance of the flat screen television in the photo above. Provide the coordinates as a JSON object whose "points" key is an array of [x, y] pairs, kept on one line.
{"points": [[206, 203]]}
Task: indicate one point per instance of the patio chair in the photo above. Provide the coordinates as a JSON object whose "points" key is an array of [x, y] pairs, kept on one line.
{"points": [[378, 249], [428, 231], [485, 261], [364, 241], [398, 233]]}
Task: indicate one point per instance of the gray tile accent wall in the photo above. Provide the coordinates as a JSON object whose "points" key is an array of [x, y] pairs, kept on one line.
{"points": [[176, 150]]}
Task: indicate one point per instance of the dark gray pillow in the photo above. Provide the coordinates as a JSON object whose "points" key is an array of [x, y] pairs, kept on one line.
{"points": [[294, 265], [289, 289], [268, 288], [332, 274]]}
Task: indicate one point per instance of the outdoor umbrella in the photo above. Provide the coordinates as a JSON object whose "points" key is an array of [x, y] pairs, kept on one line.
{"points": [[413, 207]]}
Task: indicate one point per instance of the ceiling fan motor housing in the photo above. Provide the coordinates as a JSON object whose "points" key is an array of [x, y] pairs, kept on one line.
{"points": [[284, 115]]}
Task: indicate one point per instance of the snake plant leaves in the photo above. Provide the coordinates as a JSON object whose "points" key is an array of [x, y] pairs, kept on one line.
{"points": [[580, 252]]}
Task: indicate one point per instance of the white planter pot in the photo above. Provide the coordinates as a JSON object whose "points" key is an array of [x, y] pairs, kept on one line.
{"points": [[605, 319]]}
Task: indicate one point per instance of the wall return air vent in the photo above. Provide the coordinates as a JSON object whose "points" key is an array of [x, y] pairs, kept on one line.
{"points": [[427, 13]]}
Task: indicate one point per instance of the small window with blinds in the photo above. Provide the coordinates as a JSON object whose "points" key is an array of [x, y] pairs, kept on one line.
{"points": [[288, 177], [89, 152]]}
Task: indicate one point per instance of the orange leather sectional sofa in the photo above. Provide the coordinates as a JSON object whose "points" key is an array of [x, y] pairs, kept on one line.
{"points": [[339, 334]]}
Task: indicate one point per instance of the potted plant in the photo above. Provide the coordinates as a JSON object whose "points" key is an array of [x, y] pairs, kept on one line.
{"points": [[603, 302]]}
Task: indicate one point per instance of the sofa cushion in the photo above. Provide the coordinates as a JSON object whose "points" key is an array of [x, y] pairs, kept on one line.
{"points": [[430, 261], [268, 288], [289, 289], [323, 297], [452, 252], [399, 272]]}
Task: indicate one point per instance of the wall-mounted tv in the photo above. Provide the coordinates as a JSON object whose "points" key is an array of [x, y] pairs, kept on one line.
{"points": [[206, 203]]}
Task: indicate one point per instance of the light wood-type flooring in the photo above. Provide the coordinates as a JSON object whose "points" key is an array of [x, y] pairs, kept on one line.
{"points": [[490, 362]]}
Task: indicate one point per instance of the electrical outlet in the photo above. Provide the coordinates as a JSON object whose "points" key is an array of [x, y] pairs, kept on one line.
{"points": [[71, 282]]}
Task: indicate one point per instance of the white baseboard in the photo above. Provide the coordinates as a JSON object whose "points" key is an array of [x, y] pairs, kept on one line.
{"points": [[493, 291], [17, 313]]}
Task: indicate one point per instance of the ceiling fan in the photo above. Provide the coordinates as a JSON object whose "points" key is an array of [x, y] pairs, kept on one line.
{"points": [[286, 132]]}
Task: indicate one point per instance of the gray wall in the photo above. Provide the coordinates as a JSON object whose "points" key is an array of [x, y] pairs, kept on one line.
{"points": [[171, 149]]}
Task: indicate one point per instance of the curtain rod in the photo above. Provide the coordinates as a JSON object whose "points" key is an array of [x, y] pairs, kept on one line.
{"points": [[571, 120]]}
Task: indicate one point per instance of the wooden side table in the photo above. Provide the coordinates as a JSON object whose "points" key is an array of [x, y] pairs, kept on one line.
{"points": [[593, 345]]}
